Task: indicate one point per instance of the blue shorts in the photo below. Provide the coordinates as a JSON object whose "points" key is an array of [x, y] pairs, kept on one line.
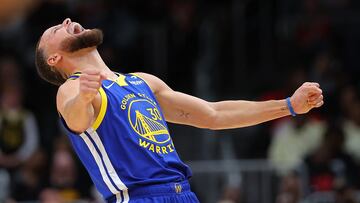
{"points": [[165, 193]]}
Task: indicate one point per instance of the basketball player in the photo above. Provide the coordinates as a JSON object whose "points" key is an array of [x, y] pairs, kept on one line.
{"points": [[116, 122]]}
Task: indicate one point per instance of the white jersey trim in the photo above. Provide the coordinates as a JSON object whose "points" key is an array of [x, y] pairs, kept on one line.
{"points": [[109, 167], [118, 198], [99, 163]]}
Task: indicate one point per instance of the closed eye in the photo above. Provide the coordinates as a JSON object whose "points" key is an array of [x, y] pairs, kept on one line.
{"points": [[56, 29]]}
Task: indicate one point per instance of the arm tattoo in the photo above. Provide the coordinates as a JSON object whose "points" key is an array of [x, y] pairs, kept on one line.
{"points": [[184, 114]]}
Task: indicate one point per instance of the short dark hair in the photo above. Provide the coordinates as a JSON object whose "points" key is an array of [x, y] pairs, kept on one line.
{"points": [[45, 71]]}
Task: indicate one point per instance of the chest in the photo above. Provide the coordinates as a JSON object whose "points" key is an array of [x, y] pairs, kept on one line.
{"points": [[138, 110]]}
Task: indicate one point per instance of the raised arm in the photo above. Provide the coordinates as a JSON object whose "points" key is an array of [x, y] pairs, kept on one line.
{"points": [[185, 109], [78, 100]]}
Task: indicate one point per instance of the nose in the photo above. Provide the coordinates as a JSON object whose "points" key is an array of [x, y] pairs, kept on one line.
{"points": [[67, 21]]}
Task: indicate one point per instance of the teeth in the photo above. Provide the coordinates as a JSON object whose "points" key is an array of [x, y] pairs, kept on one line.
{"points": [[75, 28]]}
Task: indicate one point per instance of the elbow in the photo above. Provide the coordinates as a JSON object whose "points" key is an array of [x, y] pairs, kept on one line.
{"points": [[212, 121], [77, 128], [214, 127]]}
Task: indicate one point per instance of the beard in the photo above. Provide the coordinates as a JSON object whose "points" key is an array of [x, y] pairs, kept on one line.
{"points": [[87, 39]]}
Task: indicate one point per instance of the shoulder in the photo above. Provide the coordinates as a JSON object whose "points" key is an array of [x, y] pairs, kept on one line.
{"points": [[146, 76], [155, 83]]}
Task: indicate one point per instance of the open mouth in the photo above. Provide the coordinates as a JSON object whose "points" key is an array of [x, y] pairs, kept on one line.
{"points": [[75, 28]]}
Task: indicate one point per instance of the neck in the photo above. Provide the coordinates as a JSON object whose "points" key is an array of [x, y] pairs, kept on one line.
{"points": [[86, 59]]}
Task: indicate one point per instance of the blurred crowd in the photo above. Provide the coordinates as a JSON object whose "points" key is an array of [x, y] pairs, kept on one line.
{"points": [[226, 49]]}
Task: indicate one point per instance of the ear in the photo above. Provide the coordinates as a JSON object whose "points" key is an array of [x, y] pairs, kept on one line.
{"points": [[54, 59]]}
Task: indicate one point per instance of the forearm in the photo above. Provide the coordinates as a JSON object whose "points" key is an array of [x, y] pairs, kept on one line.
{"points": [[77, 99], [235, 114], [78, 114]]}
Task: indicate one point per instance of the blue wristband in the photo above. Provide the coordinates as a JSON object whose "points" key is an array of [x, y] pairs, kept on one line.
{"points": [[291, 109]]}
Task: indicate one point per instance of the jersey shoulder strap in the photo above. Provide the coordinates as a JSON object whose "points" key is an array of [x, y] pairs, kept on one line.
{"points": [[74, 76]]}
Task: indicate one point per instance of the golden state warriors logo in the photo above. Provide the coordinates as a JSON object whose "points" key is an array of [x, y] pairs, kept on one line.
{"points": [[178, 188], [146, 120]]}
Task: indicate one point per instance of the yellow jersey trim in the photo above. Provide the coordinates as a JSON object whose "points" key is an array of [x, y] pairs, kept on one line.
{"points": [[102, 111], [77, 74], [121, 80]]}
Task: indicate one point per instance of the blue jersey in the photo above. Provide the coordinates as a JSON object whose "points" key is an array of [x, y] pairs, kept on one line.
{"points": [[129, 144]]}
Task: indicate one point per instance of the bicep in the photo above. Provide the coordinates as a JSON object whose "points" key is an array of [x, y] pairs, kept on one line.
{"points": [[186, 109], [179, 107]]}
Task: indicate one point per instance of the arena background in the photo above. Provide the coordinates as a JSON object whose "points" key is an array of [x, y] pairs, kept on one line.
{"points": [[229, 49]]}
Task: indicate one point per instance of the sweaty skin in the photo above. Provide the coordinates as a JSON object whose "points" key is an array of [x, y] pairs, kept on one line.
{"points": [[79, 101]]}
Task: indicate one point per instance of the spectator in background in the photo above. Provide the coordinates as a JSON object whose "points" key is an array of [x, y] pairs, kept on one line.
{"points": [[350, 104], [18, 129], [9, 73], [28, 182], [290, 189], [231, 194], [345, 195], [51, 196], [294, 139], [329, 167], [64, 175]]}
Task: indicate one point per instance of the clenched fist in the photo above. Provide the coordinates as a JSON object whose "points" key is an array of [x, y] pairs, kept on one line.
{"points": [[307, 96], [90, 82]]}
